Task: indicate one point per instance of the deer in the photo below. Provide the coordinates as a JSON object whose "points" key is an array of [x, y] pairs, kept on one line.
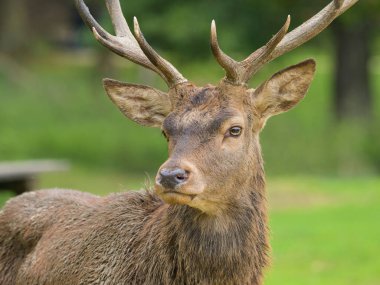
{"points": [[206, 220]]}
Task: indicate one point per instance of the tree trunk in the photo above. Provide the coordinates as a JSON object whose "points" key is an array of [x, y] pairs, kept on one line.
{"points": [[352, 80], [13, 26]]}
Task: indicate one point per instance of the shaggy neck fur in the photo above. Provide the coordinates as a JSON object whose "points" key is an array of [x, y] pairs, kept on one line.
{"points": [[219, 249]]}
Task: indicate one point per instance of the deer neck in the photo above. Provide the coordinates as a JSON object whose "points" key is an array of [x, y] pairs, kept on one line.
{"points": [[235, 241]]}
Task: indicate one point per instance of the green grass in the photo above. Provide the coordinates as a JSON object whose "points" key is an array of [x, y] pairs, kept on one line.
{"points": [[327, 234], [323, 230]]}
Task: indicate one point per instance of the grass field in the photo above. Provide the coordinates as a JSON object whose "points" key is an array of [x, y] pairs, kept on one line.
{"points": [[324, 230]]}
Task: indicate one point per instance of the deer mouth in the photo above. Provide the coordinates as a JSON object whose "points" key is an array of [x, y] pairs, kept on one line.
{"points": [[170, 192], [176, 197]]}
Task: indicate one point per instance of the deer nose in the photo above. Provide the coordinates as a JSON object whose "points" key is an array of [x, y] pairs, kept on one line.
{"points": [[170, 178]]}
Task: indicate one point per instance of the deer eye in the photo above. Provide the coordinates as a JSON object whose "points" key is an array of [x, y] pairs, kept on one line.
{"points": [[234, 131]]}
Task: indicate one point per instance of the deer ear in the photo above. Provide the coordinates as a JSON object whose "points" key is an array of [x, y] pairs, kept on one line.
{"points": [[283, 90], [143, 104]]}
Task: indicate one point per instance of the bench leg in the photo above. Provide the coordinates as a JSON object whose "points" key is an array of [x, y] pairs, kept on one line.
{"points": [[18, 186]]}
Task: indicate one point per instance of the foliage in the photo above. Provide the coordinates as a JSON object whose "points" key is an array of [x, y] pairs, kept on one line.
{"points": [[243, 25], [64, 113]]}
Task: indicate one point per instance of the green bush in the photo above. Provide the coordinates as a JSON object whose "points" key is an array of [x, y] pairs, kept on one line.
{"points": [[61, 111]]}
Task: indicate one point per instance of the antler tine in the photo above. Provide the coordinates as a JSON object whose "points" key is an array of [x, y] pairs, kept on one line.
{"points": [[240, 72], [173, 75], [257, 59], [126, 47], [87, 18], [125, 44], [119, 23], [228, 64], [312, 27]]}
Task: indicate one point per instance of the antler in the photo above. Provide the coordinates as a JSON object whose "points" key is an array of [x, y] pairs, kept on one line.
{"points": [[239, 73], [134, 48]]}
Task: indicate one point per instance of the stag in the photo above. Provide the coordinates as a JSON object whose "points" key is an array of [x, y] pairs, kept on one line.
{"points": [[206, 220]]}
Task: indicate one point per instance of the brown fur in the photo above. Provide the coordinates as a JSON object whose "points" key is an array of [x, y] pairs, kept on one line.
{"points": [[211, 230]]}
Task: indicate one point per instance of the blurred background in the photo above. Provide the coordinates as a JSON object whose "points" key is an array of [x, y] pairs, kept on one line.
{"points": [[322, 158]]}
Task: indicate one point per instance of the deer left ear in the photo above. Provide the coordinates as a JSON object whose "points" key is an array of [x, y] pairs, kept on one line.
{"points": [[144, 105], [283, 90]]}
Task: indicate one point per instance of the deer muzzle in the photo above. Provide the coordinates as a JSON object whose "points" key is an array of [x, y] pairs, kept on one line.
{"points": [[178, 183]]}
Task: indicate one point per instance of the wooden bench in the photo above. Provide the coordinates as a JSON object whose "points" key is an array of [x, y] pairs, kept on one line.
{"points": [[20, 176]]}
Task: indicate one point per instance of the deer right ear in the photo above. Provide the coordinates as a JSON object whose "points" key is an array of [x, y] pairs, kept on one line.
{"points": [[144, 105]]}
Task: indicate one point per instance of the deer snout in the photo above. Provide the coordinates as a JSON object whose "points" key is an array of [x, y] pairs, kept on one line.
{"points": [[170, 178], [179, 182]]}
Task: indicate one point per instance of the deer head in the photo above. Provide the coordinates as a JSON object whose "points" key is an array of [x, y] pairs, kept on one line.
{"points": [[212, 131]]}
